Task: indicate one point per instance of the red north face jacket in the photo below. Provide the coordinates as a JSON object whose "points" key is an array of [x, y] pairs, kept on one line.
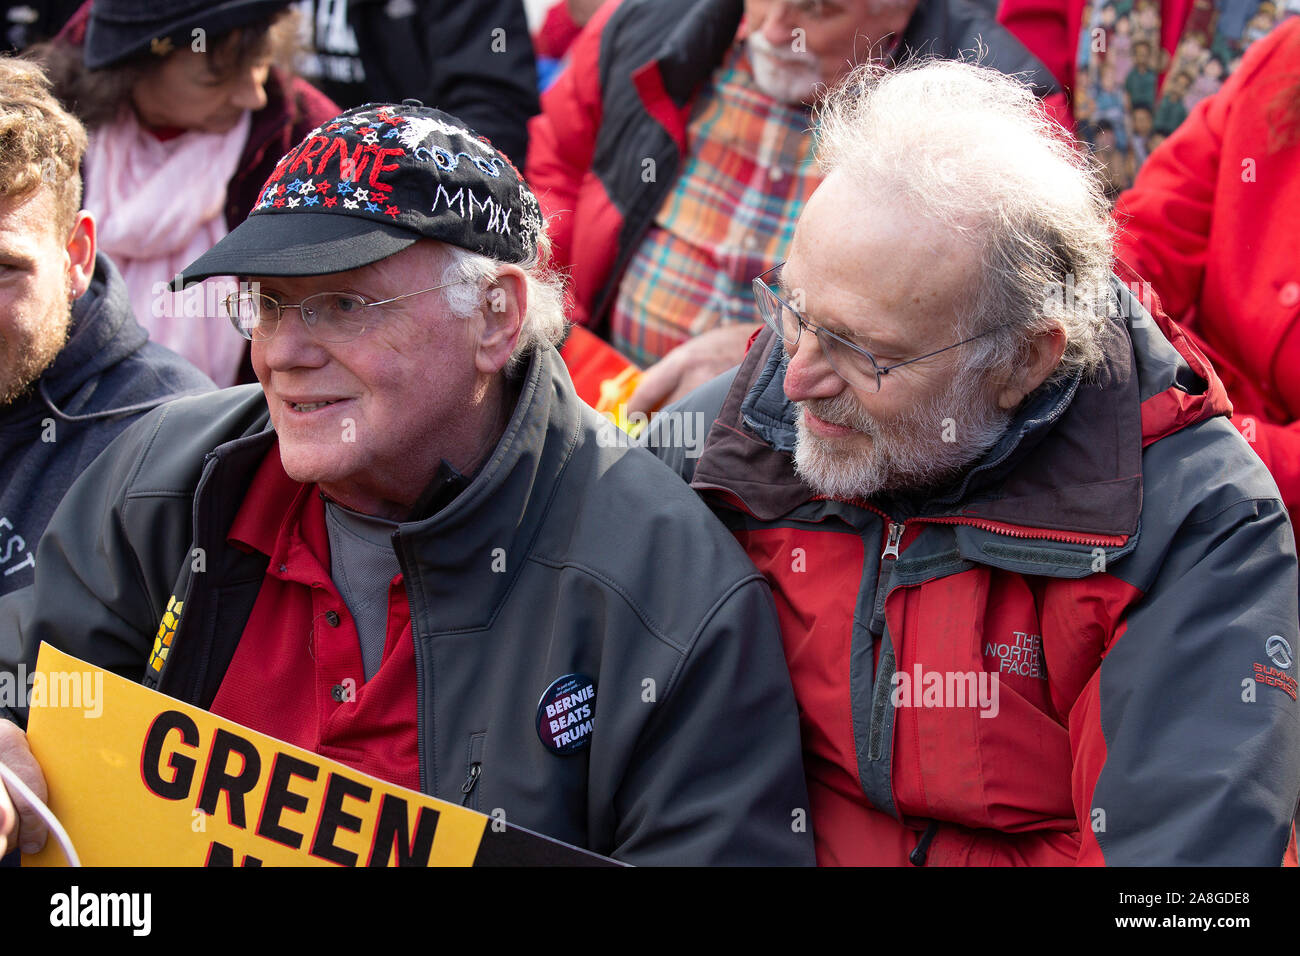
{"points": [[1120, 562]]}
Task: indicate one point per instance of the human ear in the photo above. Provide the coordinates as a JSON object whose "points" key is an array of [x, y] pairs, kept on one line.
{"points": [[504, 308], [1045, 351], [80, 248]]}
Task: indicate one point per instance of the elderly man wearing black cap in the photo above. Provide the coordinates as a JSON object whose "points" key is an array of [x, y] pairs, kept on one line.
{"points": [[412, 546]]}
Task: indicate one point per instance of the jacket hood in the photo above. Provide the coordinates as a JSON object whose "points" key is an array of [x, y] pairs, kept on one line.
{"points": [[103, 332], [1069, 466]]}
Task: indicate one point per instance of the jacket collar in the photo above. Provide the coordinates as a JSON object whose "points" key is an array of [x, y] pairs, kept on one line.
{"points": [[1068, 467], [702, 35]]}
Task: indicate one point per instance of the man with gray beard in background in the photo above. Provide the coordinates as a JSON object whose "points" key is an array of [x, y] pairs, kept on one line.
{"points": [[673, 156], [1037, 595]]}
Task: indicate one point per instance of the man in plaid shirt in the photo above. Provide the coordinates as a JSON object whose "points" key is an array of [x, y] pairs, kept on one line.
{"points": [[674, 156]]}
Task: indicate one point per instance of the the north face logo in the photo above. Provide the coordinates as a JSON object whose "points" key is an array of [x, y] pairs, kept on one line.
{"points": [[1022, 655]]}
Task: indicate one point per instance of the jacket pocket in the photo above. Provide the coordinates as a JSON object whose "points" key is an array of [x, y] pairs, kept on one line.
{"points": [[473, 770]]}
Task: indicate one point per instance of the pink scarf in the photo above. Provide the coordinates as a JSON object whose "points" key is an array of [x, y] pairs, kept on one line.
{"points": [[159, 206]]}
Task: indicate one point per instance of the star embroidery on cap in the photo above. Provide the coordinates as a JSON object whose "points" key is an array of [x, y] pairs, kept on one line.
{"points": [[322, 186], [363, 130], [392, 211], [349, 204], [372, 207], [279, 190], [331, 200], [311, 201], [345, 128], [293, 201], [278, 202], [344, 187], [295, 186], [363, 194], [370, 138], [392, 133], [307, 188], [332, 127]]}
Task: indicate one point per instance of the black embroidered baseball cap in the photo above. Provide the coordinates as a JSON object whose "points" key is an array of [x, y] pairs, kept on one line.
{"points": [[370, 183]]}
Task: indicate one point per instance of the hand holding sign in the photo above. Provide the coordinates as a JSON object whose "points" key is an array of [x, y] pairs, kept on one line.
{"points": [[19, 823], [210, 792]]}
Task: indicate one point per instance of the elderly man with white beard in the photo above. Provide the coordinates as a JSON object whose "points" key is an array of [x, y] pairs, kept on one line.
{"points": [[674, 154], [1037, 596]]}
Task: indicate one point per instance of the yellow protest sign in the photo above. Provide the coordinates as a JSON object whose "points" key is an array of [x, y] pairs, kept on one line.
{"points": [[140, 779]]}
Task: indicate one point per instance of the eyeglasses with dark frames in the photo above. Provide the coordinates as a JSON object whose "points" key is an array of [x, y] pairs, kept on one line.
{"points": [[851, 362]]}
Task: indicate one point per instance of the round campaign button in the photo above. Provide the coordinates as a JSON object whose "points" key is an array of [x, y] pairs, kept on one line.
{"points": [[565, 712]]}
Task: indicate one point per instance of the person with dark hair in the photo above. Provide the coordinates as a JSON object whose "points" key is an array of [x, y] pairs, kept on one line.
{"points": [[1140, 84], [471, 58], [1142, 131], [1171, 110], [188, 105]]}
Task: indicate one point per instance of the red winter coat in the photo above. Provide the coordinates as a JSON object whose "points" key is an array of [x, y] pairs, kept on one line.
{"points": [[1211, 224]]}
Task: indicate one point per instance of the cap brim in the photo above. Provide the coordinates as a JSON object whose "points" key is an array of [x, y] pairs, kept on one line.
{"points": [[297, 244]]}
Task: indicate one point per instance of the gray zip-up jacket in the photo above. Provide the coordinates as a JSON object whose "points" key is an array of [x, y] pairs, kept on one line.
{"points": [[569, 553]]}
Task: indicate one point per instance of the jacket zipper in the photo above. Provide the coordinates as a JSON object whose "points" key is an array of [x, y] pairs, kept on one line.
{"points": [[471, 781], [895, 536], [1016, 531], [884, 669], [887, 559], [922, 848], [998, 527], [211, 462], [426, 781]]}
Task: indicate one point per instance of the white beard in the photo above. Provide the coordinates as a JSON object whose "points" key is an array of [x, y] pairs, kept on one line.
{"points": [[907, 454], [785, 76]]}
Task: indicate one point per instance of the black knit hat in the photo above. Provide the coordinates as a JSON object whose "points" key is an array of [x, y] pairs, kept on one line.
{"points": [[371, 182], [119, 29]]}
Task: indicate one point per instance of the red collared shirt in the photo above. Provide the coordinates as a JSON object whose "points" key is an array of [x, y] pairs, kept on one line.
{"points": [[297, 673]]}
